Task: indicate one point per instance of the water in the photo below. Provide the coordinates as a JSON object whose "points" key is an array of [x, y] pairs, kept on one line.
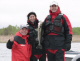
{"points": [[5, 54]]}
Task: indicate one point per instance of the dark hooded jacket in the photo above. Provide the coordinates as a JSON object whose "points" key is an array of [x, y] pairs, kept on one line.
{"points": [[33, 37]]}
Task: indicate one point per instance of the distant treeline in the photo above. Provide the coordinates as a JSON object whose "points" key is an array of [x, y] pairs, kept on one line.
{"points": [[13, 29], [76, 30], [9, 30]]}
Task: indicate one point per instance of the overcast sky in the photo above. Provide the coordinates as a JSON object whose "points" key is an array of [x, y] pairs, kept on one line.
{"points": [[14, 12]]}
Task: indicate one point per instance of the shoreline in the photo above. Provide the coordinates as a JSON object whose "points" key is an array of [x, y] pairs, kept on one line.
{"points": [[5, 38]]}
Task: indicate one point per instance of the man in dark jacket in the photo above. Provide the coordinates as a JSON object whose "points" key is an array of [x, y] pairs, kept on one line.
{"points": [[57, 34], [37, 53], [21, 50]]}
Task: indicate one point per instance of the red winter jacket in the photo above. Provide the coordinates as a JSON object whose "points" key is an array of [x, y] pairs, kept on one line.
{"points": [[21, 50]]}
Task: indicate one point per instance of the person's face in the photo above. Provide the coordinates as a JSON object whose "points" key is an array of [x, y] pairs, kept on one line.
{"points": [[32, 18], [24, 31], [54, 8]]}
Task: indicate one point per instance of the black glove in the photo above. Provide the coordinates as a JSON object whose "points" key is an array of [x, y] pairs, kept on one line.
{"points": [[68, 47], [31, 40], [36, 43]]}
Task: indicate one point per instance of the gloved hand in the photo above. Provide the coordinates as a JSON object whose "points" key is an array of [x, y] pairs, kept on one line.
{"points": [[68, 39], [36, 43], [31, 40], [68, 47]]}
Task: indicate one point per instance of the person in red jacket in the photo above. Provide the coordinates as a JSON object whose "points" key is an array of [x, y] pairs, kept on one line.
{"points": [[57, 34], [21, 50]]}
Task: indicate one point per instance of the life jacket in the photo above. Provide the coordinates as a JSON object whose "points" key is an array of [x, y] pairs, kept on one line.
{"points": [[56, 26]]}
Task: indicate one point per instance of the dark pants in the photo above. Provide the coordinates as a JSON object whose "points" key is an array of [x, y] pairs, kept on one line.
{"points": [[58, 56], [42, 58]]}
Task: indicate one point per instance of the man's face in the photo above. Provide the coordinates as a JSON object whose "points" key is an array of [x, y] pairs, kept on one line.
{"points": [[24, 31], [32, 18], [54, 8]]}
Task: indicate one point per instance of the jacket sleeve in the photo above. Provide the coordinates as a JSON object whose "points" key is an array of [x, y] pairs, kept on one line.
{"points": [[9, 44], [43, 28], [43, 33], [67, 33]]}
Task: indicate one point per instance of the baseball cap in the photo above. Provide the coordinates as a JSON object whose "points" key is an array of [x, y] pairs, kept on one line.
{"points": [[54, 3], [24, 26]]}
